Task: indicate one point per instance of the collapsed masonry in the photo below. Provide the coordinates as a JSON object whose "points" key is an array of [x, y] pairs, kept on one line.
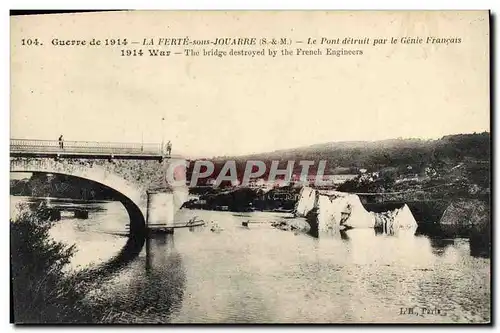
{"points": [[338, 209]]}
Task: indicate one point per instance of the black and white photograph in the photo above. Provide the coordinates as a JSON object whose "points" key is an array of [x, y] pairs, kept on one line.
{"points": [[250, 167]]}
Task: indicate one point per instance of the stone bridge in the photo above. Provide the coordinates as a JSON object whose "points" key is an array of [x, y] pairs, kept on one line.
{"points": [[136, 177]]}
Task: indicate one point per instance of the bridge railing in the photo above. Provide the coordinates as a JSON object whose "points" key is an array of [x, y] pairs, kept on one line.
{"points": [[54, 146]]}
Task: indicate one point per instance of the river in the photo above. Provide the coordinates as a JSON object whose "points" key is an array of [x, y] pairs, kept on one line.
{"points": [[261, 274]]}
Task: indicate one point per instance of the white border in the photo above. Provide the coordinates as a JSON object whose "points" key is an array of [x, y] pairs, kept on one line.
{"points": [[494, 5], [254, 4]]}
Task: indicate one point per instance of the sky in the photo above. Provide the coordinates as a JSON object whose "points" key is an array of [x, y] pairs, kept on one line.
{"points": [[240, 105]]}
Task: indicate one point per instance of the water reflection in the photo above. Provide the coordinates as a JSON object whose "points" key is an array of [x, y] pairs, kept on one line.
{"points": [[479, 239], [439, 245], [160, 249], [129, 252], [260, 273], [151, 288], [480, 246], [335, 233], [313, 232], [343, 235]]}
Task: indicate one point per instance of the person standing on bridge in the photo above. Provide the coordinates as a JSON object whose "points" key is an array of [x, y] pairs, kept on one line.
{"points": [[169, 147], [61, 142]]}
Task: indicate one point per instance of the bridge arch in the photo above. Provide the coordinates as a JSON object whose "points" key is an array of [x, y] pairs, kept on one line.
{"points": [[126, 193]]}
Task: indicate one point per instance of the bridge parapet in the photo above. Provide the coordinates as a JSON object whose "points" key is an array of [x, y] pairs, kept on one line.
{"points": [[28, 146]]}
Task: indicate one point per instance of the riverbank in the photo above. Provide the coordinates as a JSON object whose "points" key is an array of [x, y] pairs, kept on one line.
{"points": [[175, 279], [244, 199]]}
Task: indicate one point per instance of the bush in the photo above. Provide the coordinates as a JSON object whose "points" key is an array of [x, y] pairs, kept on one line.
{"points": [[42, 292]]}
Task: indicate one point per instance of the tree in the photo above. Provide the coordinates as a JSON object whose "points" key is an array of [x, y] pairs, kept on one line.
{"points": [[42, 292]]}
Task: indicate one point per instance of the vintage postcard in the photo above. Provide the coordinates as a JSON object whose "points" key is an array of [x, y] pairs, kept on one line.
{"points": [[242, 167]]}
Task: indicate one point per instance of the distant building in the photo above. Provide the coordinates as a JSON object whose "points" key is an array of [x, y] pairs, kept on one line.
{"points": [[210, 182], [252, 183], [260, 183], [331, 180], [408, 178], [339, 179], [311, 179]]}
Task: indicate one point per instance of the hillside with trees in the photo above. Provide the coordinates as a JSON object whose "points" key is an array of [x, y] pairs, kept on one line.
{"points": [[389, 156], [375, 155]]}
